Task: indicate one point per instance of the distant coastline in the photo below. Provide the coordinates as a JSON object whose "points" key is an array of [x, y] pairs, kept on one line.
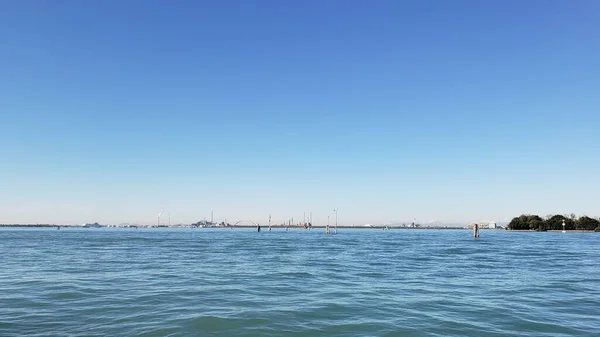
{"points": [[320, 228], [524, 223], [378, 227]]}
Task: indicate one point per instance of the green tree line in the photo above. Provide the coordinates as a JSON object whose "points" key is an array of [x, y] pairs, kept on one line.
{"points": [[553, 222]]}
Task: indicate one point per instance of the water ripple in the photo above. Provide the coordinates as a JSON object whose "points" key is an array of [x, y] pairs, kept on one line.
{"points": [[298, 283]]}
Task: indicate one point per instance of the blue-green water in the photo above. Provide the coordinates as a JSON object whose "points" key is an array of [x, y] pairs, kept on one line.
{"points": [[101, 282]]}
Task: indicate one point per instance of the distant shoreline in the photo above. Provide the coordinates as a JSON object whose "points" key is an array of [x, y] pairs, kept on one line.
{"points": [[225, 227], [284, 227]]}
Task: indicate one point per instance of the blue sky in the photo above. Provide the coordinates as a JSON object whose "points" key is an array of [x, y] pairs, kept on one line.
{"points": [[389, 110]]}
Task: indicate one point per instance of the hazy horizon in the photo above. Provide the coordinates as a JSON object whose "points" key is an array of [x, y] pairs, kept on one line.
{"points": [[448, 111]]}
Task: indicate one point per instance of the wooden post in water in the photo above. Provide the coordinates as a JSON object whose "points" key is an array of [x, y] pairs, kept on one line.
{"points": [[336, 210], [476, 231]]}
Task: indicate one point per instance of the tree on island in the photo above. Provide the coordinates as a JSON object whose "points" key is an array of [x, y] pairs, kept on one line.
{"points": [[527, 222], [587, 223], [553, 222]]}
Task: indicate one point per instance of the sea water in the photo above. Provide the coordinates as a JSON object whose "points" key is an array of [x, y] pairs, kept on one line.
{"points": [[237, 282]]}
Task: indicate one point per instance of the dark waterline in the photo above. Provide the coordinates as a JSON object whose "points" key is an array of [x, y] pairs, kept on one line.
{"points": [[221, 282]]}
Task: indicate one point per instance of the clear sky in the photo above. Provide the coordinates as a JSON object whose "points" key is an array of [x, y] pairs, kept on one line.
{"points": [[388, 110]]}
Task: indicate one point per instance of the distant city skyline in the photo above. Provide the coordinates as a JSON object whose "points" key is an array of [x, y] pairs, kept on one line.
{"points": [[448, 111]]}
